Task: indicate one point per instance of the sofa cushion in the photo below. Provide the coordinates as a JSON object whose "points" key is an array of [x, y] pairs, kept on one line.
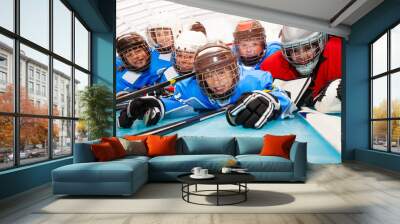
{"points": [[112, 171], [248, 145], [116, 145], [161, 145], [185, 163], [137, 147], [199, 145], [257, 163], [103, 152], [275, 145]]}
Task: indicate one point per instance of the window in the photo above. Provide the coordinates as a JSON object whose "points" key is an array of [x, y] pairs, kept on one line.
{"points": [[6, 142], [38, 89], [62, 29], [34, 21], [3, 78], [30, 87], [44, 91], [45, 109], [44, 77], [7, 14], [6, 73], [37, 74], [62, 74], [385, 95], [81, 45], [30, 72]]}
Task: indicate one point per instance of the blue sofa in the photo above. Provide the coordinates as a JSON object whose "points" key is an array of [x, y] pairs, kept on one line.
{"points": [[125, 176]]}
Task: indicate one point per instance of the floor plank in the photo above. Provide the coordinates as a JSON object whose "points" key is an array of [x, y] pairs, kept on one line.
{"points": [[377, 190]]}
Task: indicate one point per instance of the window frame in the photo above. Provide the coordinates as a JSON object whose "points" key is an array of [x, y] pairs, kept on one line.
{"points": [[16, 114], [388, 74]]}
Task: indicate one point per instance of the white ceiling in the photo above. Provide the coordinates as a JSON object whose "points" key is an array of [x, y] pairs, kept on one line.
{"points": [[317, 15]]}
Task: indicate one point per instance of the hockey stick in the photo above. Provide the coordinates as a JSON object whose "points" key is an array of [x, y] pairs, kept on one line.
{"points": [[168, 128], [149, 89]]}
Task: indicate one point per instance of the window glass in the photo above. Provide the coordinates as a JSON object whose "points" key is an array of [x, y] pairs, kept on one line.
{"points": [[6, 142], [395, 135], [395, 95], [379, 56], [81, 81], [81, 45], [379, 135], [62, 91], [39, 62], [35, 21], [379, 97], [395, 47], [81, 131], [33, 139], [62, 141], [6, 74], [7, 14], [62, 29]]}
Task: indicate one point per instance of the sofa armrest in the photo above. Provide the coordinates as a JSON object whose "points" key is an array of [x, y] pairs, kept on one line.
{"points": [[83, 152], [298, 155]]}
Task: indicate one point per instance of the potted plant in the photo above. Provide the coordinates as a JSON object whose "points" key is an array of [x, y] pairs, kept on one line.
{"points": [[96, 102]]}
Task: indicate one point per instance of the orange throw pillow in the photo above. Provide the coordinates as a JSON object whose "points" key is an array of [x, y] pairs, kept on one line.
{"points": [[161, 145], [116, 145], [277, 145], [103, 152], [136, 137]]}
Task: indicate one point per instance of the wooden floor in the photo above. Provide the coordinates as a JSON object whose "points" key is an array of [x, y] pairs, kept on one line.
{"points": [[377, 188]]}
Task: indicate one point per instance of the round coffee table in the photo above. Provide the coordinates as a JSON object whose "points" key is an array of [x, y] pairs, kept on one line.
{"points": [[238, 179]]}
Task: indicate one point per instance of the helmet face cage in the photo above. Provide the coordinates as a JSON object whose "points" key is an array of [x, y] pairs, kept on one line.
{"points": [[304, 54], [133, 49], [161, 38], [251, 60], [219, 76], [183, 61], [249, 31]]}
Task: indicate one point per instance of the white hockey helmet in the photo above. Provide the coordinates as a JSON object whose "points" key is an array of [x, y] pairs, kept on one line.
{"points": [[186, 46], [302, 48], [161, 32]]}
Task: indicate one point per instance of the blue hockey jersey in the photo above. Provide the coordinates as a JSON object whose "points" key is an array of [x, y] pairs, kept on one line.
{"points": [[188, 93], [130, 81]]}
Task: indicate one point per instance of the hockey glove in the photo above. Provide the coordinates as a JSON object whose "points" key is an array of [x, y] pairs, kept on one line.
{"points": [[147, 108], [253, 110]]}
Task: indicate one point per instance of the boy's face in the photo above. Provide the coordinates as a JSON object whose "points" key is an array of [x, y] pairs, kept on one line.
{"points": [[250, 48], [137, 58], [164, 37], [302, 55], [220, 81], [185, 60]]}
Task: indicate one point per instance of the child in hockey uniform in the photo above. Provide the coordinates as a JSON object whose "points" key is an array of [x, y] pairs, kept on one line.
{"points": [[219, 82]]}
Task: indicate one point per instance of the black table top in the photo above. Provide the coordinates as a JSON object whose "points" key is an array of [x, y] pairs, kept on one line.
{"points": [[220, 178]]}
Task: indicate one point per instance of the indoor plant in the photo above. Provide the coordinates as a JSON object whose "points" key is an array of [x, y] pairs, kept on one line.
{"points": [[96, 102]]}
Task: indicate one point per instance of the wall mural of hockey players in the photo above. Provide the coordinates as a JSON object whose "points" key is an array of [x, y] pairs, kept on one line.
{"points": [[173, 73]]}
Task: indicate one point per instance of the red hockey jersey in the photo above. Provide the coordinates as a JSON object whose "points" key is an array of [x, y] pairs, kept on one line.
{"points": [[329, 69]]}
